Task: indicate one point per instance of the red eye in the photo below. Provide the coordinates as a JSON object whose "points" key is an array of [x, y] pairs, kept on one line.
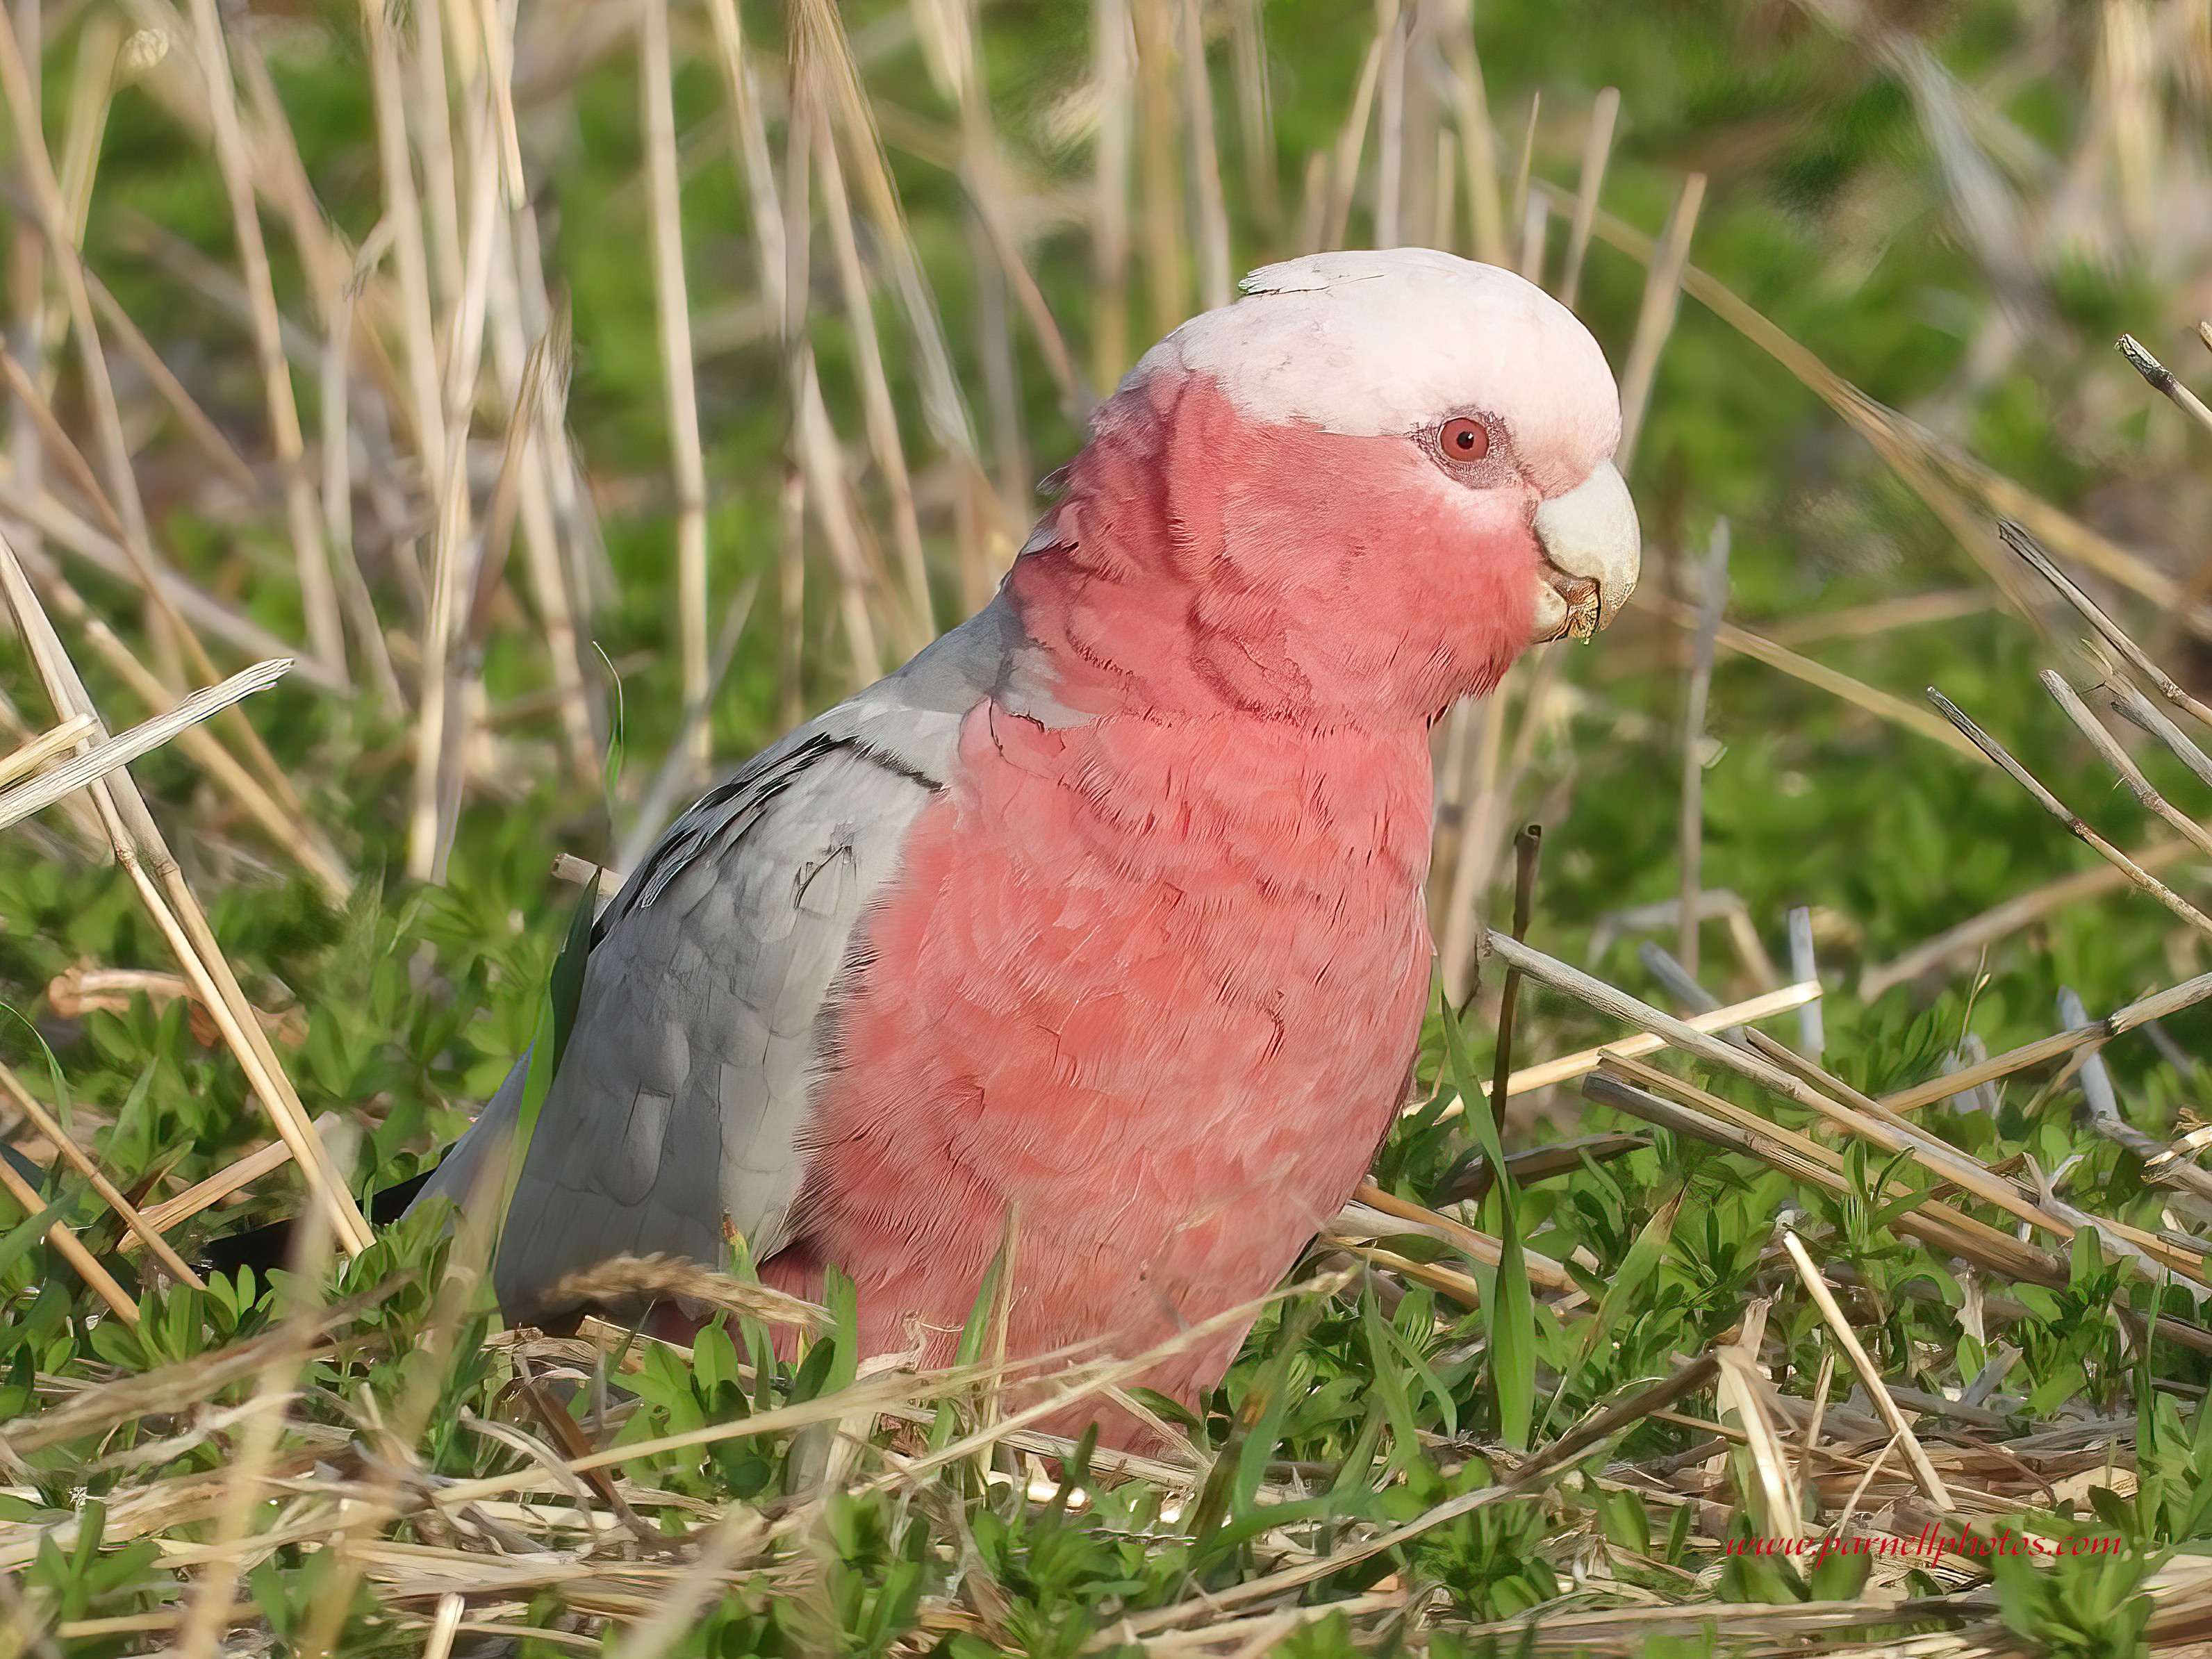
{"points": [[1465, 440]]}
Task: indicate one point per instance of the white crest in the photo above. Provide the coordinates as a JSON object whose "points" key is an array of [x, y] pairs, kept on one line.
{"points": [[1395, 340]]}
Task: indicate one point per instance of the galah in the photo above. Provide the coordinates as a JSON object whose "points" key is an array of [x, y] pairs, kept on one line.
{"points": [[1102, 919]]}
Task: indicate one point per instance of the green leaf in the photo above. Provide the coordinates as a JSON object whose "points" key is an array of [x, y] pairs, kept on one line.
{"points": [[1510, 1315]]}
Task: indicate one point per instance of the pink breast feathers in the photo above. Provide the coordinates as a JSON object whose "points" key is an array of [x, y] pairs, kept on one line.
{"points": [[1154, 986]]}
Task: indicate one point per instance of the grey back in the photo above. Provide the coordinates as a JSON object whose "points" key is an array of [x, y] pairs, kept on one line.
{"points": [[681, 1103]]}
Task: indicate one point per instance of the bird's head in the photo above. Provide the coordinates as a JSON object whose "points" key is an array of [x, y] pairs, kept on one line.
{"points": [[1361, 489]]}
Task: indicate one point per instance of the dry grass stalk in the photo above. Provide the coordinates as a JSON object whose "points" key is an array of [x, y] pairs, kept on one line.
{"points": [[2057, 809], [1567, 1067], [1478, 1245], [97, 763], [1255, 116], [1882, 704], [1390, 137], [1160, 122], [442, 718], [2163, 1166], [28, 758], [1691, 1378], [1880, 1127], [1113, 53], [256, 1448], [138, 844], [288, 830], [318, 591], [2159, 1006], [945, 406], [1213, 272], [630, 1279], [1352, 137], [1654, 319], [47, 1125], [1471, 112], [1880, 617], [194, 419], [1712, 599], [336, 445], [881, 414], [235, 1177], [1959, 944], [403, 211], [1532, 248], [1597, 148], [673, 307], [1740, 1389], [1930, 1483], [81, 1261]]}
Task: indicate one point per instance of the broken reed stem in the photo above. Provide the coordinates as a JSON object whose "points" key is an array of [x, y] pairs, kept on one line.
{"points": [[1924, 1472], [2025, 546], [44, 1122], [2118, 759], [2130, 703], [1597, 149], [1654, 319], [20, 802], [1712, 599], [2057, 809], [670, 295], [2164, 380], [318, 592], [82, 1260]]}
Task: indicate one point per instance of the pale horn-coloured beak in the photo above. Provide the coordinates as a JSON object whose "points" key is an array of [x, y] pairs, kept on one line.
{"points": [[1591, 549]]}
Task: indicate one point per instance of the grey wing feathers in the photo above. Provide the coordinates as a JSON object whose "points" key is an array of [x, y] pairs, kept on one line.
{"points": [[681, 1098]]}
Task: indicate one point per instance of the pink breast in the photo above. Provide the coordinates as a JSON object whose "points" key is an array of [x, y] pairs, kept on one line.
{"points": [[1155, 987]]}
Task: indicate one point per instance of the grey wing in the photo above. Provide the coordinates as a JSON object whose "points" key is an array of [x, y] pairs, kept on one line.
{"points": [[681, 1101]]}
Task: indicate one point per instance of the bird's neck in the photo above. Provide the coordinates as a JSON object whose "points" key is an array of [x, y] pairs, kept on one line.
{"points": [[1199, 565]]}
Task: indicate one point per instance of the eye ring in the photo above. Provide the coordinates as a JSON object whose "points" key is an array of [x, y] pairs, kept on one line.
{"points": [[1463, 439]]}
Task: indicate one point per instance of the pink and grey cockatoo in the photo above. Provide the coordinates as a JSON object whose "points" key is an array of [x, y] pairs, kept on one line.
{"points": [[1106, 909]]}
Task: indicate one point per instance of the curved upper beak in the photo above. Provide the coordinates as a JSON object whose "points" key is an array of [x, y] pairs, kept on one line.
{"points": [[1591, 549]]}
